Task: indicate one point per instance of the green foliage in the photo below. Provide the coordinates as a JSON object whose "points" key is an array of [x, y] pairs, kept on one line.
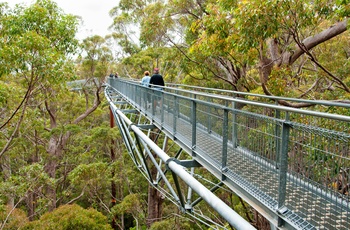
{"points": [[214, 44], [93, 175], [155, 25], [30, 178], [174, 223], [159, 225], [97, 58], [36, 42], [130, 204], [38, 36], [69, 217], [4, 94], [343, 8], [17, 218]]}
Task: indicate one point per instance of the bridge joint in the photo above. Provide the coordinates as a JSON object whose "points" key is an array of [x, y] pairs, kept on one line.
{"points": [[150, 126], [184, 163], [223, 171], [283, 210], [119, 102], [125, 111]]}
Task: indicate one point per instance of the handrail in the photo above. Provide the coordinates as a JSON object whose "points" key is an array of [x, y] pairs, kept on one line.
{"points": [[266, 105], [232, 92]]}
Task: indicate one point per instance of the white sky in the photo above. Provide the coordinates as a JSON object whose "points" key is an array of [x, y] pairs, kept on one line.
{"points": [[95, 14]]}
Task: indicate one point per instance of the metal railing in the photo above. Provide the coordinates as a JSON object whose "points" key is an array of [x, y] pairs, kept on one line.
{"points": [[292, 164]]}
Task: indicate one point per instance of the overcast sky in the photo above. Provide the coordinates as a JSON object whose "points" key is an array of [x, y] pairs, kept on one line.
{"points": [[95, 14]]}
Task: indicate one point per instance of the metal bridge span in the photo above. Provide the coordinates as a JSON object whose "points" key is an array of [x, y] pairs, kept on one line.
{"points": [[291, 165]]}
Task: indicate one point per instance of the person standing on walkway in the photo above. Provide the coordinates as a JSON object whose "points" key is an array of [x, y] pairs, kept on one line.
{"points": [[157, 83], [146, 79], [145, 82]]}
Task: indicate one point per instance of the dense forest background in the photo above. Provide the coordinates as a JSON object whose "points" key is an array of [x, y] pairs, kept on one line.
{"points": [[61, 162]]}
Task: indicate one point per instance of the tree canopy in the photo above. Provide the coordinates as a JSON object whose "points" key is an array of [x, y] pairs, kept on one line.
{"points": [[58, 150], [252, 46]]}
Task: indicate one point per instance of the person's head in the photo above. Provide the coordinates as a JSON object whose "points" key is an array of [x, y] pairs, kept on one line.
{"points": [[156, 70], [116, 74], [146, 73]]}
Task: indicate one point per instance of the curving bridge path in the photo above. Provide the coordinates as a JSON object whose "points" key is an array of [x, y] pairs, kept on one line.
{"points": [[291, 165]]}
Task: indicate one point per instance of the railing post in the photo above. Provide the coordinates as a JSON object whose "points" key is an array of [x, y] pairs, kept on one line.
{"points": [[162, 106], [283, 167], [138, 94], [224, 143], [277, 134], [153, 98], [234, 125], [194, 125], [175, 114], [209, 116]]}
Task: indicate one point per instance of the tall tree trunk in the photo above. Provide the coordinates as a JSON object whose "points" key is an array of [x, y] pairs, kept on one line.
{"points": [[154, 197], [113, 184], [55, 150], [31, 197], [154, 206], [31, 205]]}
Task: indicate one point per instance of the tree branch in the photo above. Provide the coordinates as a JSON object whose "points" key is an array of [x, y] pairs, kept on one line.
{"points": [[195, 62], [313, 41], [78, 197], [19, 106], [305, 49], [283, 102], [52, 116], [17, 127], [9, 214], [97, 102], [308, 90]]}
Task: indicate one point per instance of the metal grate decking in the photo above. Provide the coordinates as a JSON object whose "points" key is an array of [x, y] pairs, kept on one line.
{"points": [[241, 164]]}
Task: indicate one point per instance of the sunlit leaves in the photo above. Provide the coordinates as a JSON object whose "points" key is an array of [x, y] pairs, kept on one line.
{"points": [[343, 8], [71, 217], [90, 178], [92, 174], [36, 39], [97, 57], [17, 220], [130, 204], [255, 21], [30, 178]]}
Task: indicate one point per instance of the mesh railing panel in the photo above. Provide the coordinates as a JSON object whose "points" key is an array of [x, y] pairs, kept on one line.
{"points": [[252, 142]]}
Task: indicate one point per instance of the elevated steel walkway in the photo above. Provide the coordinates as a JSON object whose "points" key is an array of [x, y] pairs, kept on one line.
{"points": [[291, 165]]}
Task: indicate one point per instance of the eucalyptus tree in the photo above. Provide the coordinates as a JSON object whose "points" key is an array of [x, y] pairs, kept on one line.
{"points": [[70, 217], [140, 31], [34, 43], [254, 46], [96, 57], [39, 114], [126, 17], [277, 47]]}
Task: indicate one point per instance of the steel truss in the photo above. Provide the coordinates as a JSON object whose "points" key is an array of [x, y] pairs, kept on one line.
{"points": [[175, 177]]}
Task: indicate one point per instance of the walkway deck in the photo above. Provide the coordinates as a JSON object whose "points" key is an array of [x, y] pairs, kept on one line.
{"points": [[272, 162]]}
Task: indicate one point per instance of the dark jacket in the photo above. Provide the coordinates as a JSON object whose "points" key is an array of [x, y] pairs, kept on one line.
{"points": [[157, 79]]}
